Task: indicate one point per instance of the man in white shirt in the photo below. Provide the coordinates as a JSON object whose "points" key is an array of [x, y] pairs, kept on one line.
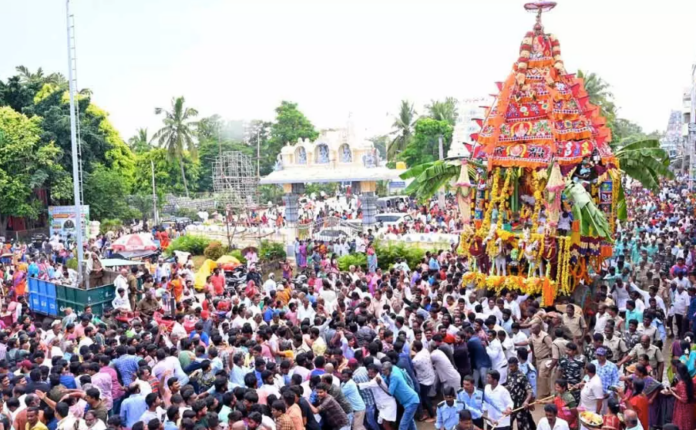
{"points": [[270, 284], [121, 300], [602, 317], [497, 401], [121, 281], [680, 306], [514, 307], [551, 420]]}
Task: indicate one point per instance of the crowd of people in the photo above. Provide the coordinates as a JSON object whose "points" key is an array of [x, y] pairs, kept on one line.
{"points": [[365, 348]]}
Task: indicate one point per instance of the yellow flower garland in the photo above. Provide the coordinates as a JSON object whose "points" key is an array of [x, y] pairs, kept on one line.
{"points": [[492, 198], [502, 198]]}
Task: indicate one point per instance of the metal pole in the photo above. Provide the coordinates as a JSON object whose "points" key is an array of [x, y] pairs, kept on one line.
{"points": [[441, 193], [154, 195], [75, 161], [692, 127], [258, 153]]}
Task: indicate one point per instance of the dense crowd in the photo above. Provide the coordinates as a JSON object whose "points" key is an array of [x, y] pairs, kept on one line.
{"points": [[316, 348]]}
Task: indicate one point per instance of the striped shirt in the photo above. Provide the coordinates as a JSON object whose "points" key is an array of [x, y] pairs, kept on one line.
{"points": [[360, 376]]}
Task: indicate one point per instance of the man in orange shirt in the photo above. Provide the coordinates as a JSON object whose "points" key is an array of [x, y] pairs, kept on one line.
{"points": [[218, 281]]}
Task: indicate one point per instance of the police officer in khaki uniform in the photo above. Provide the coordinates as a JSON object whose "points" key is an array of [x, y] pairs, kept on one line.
{"points": [[542, 345]]}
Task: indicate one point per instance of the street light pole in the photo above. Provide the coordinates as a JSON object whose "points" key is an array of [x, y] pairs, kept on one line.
{"points": [[73, 147]]}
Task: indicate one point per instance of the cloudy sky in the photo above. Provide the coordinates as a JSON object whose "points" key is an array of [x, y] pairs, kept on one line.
{"points": [[240, 58]]}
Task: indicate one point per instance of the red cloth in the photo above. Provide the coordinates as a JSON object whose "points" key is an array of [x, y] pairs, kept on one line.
{"points": [[683, 416], [640, 405], [218, 282]]}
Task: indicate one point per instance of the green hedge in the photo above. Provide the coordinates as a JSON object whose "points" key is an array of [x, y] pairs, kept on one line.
{"points": [[356, 260], [386, 256], [271, 251], [189, 243], [237, 253]]}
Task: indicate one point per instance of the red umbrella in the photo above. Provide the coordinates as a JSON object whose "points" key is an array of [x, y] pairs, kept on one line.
{"points": [[134, 242]]}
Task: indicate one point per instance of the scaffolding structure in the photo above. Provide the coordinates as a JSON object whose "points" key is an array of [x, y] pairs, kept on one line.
{"points": [[235, 180]]}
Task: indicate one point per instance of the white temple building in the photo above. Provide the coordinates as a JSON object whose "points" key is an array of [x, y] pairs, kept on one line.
{"points": [[469, 111]]}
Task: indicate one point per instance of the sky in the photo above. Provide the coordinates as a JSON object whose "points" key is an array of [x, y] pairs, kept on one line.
{"points": [[241, 58]]}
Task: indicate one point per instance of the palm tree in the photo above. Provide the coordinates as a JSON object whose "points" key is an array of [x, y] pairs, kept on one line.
{"points": [[403, 129], [27, 77], [140, 142], [177, 134], [444, 111]]}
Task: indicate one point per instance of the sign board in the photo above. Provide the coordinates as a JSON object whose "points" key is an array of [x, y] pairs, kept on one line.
{"points": [[61, 220], [397, 184]]}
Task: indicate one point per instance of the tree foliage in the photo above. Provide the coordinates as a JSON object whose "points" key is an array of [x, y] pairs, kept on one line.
{"points": [[424, 147], [289, 126], [177, 134], [26, 164], [446, 110], [402, 129]]}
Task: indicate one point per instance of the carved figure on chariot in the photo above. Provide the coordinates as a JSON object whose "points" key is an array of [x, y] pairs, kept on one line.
{"points": [[541, 212]]}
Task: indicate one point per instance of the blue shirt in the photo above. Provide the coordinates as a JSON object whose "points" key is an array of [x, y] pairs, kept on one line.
{"points": [[609, 374], [433, 264], [528, 369], [351, 392], [68, 381], [448, 416], [170, 425], [400, 389], [477, 353], [132, 409], [204, 337], [127, 366], [473, 402]]}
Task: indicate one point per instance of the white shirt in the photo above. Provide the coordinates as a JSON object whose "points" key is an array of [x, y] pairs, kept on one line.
{"points": [[303, 312], [601, 322], [121, 303], [681, 302], [558, 425], [121, 282], [592, 393], [269, 285], [423, 366], [514, 309], [497, 400]]}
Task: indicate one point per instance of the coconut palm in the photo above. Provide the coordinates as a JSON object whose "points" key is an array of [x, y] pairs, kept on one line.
{"points": [[403, 129], [140, 142], [177, 135], [444, 111]]}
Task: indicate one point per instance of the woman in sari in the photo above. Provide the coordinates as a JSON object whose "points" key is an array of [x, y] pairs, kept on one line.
{"points": [[303, 255], [566, 404], [611, 420], [637, 401], [659, 405], [19, 280]]}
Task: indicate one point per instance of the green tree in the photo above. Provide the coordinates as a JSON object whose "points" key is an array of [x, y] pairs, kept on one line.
{"points": [[258, 133], [25, 165], [104, 191], [168, 178], [424, 147], [402, 129], [289, 126], [140, 142], [639, 155], [381, 143], [177, 135], [446, 110]]}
